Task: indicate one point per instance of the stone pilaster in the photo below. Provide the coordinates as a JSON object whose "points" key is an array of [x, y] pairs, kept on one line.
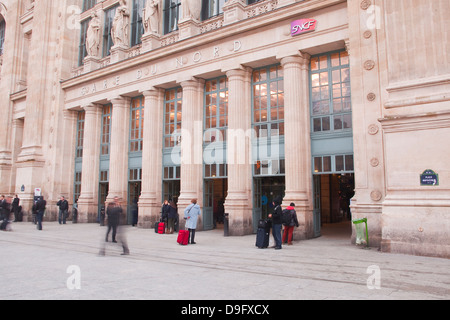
{"points": [[150, 199], [88, 200], [298, 141], [118, 175], [238, 203], [191, 145]]}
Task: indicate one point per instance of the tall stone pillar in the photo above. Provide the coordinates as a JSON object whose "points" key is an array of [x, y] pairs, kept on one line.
{"points": [[118, 167], [150, 199], [88, 200], [191, 145], [238, 203], [298, 141]]}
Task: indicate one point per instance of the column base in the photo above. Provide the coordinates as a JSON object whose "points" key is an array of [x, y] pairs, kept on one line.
{"points": [[240, 216], [87, 210]]}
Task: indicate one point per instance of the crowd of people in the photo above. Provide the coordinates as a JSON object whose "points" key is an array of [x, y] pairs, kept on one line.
{"points": [[169, 216]]}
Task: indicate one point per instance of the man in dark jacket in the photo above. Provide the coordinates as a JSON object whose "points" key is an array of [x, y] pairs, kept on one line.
{"points": [[63, 207], [293, 222], [114, 211], [276, 222], [40, 210], [5, 208]]}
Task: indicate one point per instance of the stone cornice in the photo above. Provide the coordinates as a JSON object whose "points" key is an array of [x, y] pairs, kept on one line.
{"points": [[228, 31]]}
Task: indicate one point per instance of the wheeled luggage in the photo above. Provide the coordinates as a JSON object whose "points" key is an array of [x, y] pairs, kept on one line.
{"points": [[262, 235], [183, 237], [161, 228]]}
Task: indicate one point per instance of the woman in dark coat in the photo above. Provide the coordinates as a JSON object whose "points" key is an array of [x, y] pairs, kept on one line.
{"points": [[173, 215]]}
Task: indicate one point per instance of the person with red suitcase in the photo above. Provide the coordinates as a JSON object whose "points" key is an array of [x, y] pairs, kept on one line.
{"points": [[191, 214]]}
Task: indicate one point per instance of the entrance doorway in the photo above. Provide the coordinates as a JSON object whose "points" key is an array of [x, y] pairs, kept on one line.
{"points": [[214, 194], [102, 194], [332, 194], [134, 192], [265, 190]]}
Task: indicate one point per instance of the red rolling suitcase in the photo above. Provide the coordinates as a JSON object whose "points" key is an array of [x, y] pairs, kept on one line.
{"points": [[161, 227], [183, 237]]}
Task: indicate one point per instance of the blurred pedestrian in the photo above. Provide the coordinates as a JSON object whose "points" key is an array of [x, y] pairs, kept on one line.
{"points": [[113, 212], [5, 207]]}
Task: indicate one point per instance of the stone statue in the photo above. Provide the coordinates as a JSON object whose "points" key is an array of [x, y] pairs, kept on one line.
{"points": [[93, 36], [191, 9], [151, 17], [119, 31]]}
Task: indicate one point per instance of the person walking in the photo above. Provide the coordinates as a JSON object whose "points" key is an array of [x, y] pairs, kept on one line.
{"points": [[5, 208], [191, 214], [289, 226], [113, 211], [63, 208], [276, 222]]}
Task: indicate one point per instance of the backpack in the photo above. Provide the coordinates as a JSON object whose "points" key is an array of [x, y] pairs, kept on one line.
{"points": [[286, 217]]}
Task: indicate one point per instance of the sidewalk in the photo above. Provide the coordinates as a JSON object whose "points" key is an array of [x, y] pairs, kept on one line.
{"points": [[48, 264]]}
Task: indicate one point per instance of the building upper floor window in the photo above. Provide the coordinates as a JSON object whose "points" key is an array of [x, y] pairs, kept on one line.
{"points": [[331, 108], [172, 12], [107, 38], [137, 28], [212, 8], [88, 4]]}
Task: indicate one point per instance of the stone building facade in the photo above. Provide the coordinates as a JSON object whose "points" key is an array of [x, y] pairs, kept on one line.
{"points": [[317, 101]]}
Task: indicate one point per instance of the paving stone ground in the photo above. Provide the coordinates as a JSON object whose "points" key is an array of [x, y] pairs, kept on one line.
{"points": [[62, 262]]}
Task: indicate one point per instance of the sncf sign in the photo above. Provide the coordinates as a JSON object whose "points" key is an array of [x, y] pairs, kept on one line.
{"points": [[303, 26]]}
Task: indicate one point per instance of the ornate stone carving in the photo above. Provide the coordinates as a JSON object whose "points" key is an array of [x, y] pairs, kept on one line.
{"points": [[93, 36], [191, 9], [369, 65], [371, 96], [367, 34], [376, 195], [119, 30], [365, 4], [373, 129], [151, 17], [374, 162]]}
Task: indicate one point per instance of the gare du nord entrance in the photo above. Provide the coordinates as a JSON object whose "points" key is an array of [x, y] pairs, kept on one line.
{"points": [[331, 144]]}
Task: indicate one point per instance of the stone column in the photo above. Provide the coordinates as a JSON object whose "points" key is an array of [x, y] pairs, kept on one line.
{"points": [[298, 141], [239, 200], [88, 200], [191, 145], [118, 167], [150, 199]]}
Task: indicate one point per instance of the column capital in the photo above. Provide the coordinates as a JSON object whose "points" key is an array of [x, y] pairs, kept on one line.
{"points": [[192, 83], [120, 101], [242, 73], [92, 108], [152, 92], [301, 58]]}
